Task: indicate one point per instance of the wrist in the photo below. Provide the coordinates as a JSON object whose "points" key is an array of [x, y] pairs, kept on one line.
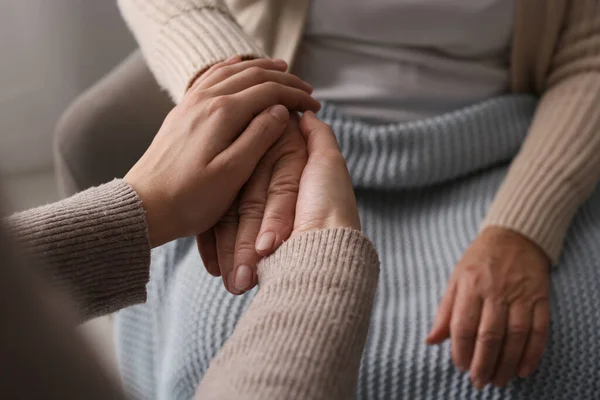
{"points": [[160, 226], [504, 236], [330, 222]]}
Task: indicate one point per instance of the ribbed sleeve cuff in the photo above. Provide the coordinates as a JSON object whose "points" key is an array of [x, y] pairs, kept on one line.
{"points": [[94, 244], [352, 254], [303, 334], [557, 168], [533, 203], [181, 43]]}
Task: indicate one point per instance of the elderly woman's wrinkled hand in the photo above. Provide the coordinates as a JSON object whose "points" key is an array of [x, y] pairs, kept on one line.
{"points": [[496, 308]]}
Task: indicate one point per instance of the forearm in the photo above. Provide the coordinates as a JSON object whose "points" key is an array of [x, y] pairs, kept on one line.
{"points": [[304, 332], [558, 166], [182, 39], [94, 245]]}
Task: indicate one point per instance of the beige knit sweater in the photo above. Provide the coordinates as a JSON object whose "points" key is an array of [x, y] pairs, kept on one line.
{"points": [[301, 338], [555, 53]]}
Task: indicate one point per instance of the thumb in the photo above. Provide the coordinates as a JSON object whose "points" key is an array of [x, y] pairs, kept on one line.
{"points": [[318, 135]]}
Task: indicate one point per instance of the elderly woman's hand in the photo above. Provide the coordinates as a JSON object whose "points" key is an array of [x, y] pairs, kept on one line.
{"points": [[211, 142], [496, 308], [261, 218]]}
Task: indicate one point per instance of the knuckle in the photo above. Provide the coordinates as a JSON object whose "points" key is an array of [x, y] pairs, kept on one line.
{"points": [[462, 332], [517, 332], [257, 73], [244, 247], [286, 185], [270, 86], [231, 167], [278, 219], [489, 338], [220, 105], [261, 126], [251, 208], [539, 332]]}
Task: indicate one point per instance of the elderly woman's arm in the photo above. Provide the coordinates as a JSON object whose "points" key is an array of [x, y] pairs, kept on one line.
{"points": [[496, 307], [181, 39], [559, 163]]}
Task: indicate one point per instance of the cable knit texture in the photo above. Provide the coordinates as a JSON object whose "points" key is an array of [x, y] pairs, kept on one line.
{"points": [[556, 54], [94, 245], [316, 294]]}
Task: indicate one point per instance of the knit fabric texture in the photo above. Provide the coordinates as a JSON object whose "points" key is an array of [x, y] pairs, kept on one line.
{"points": [[423, 190], [94, 246]]}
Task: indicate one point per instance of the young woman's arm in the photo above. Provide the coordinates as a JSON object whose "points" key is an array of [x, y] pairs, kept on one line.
{"points": [[304, 333], [97, 244]]}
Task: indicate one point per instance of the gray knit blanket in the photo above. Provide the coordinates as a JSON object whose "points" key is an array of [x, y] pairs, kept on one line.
{"points": [[423, 188]]}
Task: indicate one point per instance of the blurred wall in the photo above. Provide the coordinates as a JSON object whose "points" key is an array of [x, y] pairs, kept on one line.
{"points": [[50, 51]]}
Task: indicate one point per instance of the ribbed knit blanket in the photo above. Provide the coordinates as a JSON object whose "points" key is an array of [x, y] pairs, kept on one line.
{"points": [[423, 189]]}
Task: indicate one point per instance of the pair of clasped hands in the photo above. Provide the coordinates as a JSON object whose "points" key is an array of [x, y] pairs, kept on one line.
{"points": [[235, 166]]}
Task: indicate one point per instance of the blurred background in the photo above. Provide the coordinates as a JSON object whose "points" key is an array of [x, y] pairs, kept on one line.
{"points": [[52, 50]]}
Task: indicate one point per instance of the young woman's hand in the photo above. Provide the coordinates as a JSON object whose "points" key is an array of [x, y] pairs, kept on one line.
{"points": [[326, 198], [496, 308], [211, 142]]}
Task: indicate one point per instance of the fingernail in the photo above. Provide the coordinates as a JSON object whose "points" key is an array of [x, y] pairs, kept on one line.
{"points": [[233, 58], [243, 277], [279, 112], [231, 285], [265, 241]]}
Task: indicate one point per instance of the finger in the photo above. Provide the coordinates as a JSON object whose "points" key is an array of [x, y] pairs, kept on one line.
{"points": [[207, 247], [203, 76], [463, 327], [225, 233], [489, 342], [254, 100], [246, 151], [232, 66], [519, 324], [278, 220], [441, 326], [319, 136], [251, 211], [249, 77], [536, 342]]}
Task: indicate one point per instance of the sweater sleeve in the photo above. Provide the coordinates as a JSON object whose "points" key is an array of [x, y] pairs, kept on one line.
{"points": [[558, 166], [94, 245], [41, 354], [303, 335], [182, 38]]}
